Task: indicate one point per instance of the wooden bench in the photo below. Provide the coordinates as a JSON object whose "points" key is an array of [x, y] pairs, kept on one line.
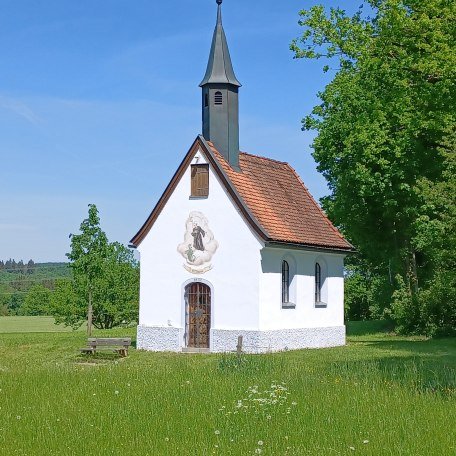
{"points": [[119, 345]]}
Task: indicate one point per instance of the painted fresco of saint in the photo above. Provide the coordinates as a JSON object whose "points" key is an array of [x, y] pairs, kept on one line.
{"points": [[199, 244], [198, 233]]}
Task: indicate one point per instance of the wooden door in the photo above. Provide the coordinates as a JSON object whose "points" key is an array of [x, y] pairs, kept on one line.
{"points": [[198, 315]]}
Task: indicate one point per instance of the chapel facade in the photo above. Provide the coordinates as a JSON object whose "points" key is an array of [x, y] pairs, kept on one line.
{"points": [[236, 245]]}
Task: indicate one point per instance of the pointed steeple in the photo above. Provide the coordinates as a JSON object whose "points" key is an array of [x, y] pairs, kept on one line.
{"points": [[219, 68], [221, 98]]}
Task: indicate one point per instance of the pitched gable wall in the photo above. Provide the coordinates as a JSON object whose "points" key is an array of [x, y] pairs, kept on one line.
{"points": [[235, 264]]}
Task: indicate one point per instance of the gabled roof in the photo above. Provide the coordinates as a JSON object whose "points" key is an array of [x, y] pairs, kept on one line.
{"points": [[270, 195]]}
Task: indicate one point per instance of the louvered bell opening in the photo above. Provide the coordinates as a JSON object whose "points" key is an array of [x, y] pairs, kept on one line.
{"points": [[218, 98]]}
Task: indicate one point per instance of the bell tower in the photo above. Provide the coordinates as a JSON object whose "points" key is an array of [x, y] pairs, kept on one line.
{"points": [[220, 98]]}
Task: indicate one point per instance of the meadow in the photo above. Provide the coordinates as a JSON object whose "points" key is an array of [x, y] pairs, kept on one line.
{"points": [[380, 395]]}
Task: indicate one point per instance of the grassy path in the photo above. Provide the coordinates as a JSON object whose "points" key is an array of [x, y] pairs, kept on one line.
{"points": [[379, 395]]}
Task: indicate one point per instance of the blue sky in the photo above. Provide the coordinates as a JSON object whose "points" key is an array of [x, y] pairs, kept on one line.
{"points": [[99, 101]]}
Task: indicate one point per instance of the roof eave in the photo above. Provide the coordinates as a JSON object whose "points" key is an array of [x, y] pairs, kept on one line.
{"points": [[313, 247]]}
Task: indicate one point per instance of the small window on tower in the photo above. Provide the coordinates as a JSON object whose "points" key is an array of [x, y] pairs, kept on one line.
{"points": [[206, 100], [218, 98], [199, 181]]}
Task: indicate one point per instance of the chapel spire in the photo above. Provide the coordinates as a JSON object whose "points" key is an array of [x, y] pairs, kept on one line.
{"points": [[220, 97], [219, 68]]}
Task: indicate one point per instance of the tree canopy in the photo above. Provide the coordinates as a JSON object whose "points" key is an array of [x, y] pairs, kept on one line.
{"points": [[384, 126], [105, 280]]}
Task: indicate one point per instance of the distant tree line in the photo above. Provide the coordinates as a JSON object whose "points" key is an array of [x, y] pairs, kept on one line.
{"points": [[19, 267], [19, 279]]}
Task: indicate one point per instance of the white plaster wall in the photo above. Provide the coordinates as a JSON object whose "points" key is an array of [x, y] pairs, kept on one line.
{"points": [[305, 314], [236, 263]]}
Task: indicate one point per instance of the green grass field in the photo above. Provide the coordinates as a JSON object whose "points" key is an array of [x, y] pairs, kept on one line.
{"points": [[379, 395], [31, 324]]}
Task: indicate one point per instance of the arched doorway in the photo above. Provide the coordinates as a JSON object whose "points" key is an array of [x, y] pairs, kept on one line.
{"points": [[197, 315]]}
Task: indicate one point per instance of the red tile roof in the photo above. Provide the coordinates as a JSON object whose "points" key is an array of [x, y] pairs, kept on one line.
{"points": [[269, 194], [279, 201]]}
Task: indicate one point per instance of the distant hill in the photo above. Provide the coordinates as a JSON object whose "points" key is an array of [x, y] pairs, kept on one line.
{"points": [[20, 276]]}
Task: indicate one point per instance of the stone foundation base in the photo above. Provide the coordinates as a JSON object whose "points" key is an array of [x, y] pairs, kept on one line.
{"points": [[277, 340], [157, 338]]}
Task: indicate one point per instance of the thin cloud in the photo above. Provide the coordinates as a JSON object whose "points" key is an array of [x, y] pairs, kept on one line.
{"points": [[20, 108]]}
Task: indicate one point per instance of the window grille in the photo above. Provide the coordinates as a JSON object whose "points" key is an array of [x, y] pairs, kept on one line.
{"points": [[218, 98], [285, 282], [198, 315], [200, 180]]}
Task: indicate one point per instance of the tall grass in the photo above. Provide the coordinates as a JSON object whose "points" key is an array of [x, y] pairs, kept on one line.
{"points": [[380, 395]]}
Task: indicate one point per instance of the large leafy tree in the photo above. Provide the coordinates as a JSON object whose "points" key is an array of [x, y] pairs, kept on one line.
{"points": [[382, 120], [436, 237], [105, 285]]}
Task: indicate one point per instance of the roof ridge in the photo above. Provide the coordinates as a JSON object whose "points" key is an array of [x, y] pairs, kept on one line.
{"points": [[326, 218]]}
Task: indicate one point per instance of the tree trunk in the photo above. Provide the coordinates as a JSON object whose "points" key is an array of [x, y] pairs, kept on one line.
{"points": [[89, 314], [414, 273]]}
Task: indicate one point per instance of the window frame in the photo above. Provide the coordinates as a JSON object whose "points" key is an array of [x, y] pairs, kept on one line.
{"points": [[199, 181], [288, 277], [285, 282], [319, 282]]}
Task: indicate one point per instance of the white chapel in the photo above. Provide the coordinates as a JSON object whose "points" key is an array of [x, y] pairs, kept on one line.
{"points": [[236, 245]]}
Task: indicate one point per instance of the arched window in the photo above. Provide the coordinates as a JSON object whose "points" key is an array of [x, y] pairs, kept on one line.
{"points": [[318, 284], [285, 282], [218, 98]]}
